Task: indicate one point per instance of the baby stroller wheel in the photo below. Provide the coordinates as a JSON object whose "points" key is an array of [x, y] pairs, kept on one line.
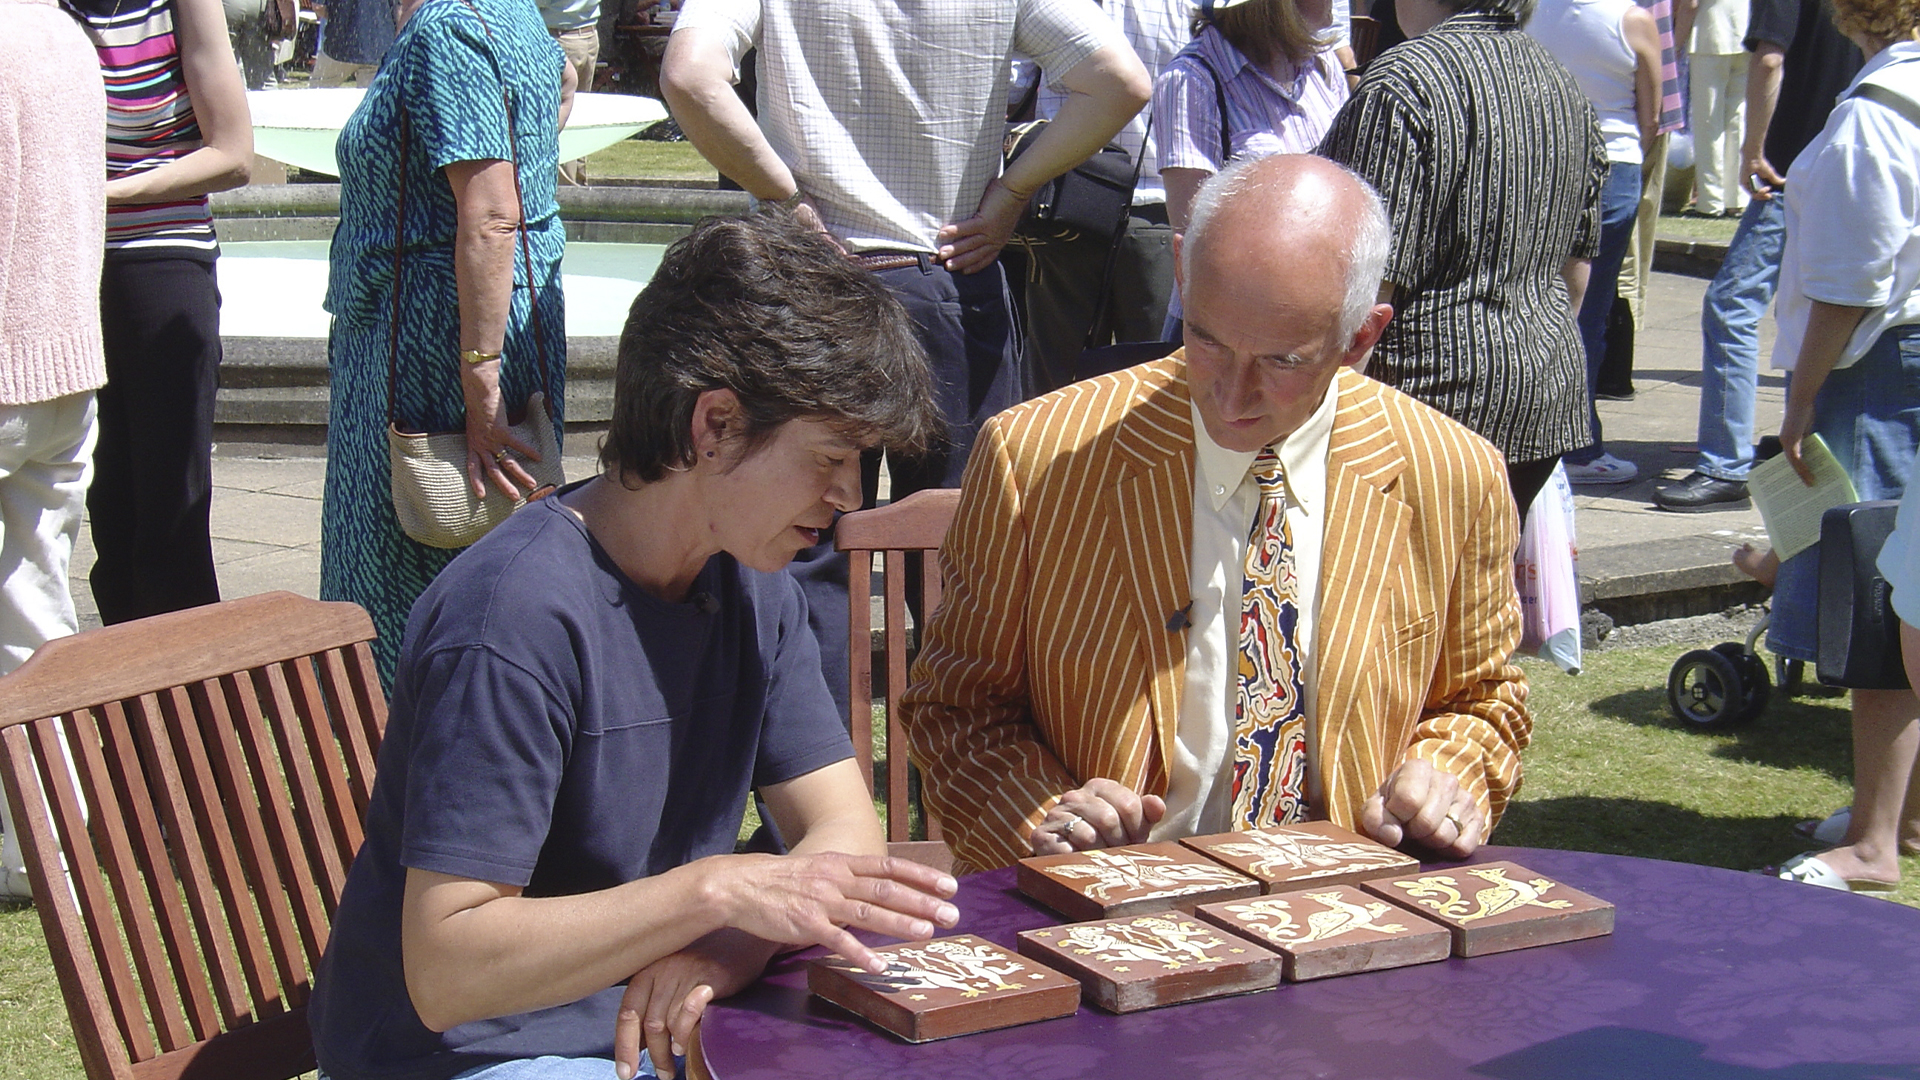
{"points": [[1707, 690], [1753, 679]]}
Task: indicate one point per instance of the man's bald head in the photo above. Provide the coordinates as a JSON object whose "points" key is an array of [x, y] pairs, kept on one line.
{"points": [[1297, 204]]}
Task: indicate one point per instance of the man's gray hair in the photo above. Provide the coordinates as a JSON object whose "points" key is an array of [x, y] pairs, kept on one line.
{"points": [[1369, 245]]}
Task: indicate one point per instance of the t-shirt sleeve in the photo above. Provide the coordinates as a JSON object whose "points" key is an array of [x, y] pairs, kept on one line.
{"points": [[803, 730], [1186, 121], [1860, 208], [736, 21], [455, 99], [1390, 146], [480, 715], [1773, 22], [1057, 34]]}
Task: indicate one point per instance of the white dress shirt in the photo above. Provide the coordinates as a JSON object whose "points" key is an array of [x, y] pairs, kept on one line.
{"points": [[1225, 497]]}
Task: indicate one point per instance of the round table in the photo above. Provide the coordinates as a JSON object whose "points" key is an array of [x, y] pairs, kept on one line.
{"points": [[1709, 974]]}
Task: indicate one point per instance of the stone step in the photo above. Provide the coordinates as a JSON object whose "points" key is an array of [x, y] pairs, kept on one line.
{"points": [[589, 401]]}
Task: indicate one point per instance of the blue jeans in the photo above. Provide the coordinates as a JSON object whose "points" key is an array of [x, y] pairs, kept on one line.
{"points": [[1619, 204], [1730, 339], [1869, 415]]}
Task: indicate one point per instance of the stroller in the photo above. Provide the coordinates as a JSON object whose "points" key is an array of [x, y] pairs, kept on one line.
{"points": [[1859, 635]]}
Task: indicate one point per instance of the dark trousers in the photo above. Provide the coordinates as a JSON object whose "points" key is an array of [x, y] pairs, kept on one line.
{"points": [[153, 469], [1525, 481], [965, 322], [1065, 284]]}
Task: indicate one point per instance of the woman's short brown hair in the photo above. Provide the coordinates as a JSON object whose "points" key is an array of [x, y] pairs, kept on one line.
{"points": [[1261, 28], [768, 308], [1886, 20]]}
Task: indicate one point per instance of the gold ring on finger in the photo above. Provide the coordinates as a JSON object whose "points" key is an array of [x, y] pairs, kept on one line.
{"points": [[500, 456], [1457, 827]]}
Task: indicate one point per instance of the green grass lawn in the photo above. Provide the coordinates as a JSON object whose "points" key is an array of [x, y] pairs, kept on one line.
{"points": [[1609, 770], [654, 160]]}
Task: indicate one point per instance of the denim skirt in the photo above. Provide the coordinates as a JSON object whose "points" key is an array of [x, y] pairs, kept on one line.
{"points": [[1869, 415]]}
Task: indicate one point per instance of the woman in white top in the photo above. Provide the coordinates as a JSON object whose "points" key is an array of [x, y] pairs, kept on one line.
{"points": [[1849, 313], [1613, 49], [1259, 77]]}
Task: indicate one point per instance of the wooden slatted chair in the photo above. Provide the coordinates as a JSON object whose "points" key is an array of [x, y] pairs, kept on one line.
{"points": [[915, 525], [224, 758]]}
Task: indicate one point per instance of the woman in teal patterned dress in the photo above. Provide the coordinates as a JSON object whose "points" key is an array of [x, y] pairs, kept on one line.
{"points": [[472, 300]]}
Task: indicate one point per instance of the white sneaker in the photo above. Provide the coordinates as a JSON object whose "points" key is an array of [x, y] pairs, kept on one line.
{"points": [[1605, 469], [14, 886]]}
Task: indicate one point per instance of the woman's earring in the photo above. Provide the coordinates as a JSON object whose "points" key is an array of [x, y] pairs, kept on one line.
{"points": [[709, 453]]}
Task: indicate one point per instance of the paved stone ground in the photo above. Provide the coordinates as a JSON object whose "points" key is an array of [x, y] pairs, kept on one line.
{"points": [[266, 508]]}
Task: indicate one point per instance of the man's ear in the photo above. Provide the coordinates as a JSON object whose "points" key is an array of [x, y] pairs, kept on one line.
{"points": [[1367, 336], [1179, 265]]}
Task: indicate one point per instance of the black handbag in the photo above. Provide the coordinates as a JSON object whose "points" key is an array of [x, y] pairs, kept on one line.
{"points": [[1859, 633], [1091, 199]]}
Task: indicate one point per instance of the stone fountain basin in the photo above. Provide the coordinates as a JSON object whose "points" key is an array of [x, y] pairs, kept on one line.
{"points": [[300, 127]]}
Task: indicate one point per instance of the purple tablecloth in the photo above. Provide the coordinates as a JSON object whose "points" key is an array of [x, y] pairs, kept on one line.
{"points": [[1709, 974]]}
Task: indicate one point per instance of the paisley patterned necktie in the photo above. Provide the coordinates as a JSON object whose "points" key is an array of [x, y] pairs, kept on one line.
{"points": [[1270, 720]]}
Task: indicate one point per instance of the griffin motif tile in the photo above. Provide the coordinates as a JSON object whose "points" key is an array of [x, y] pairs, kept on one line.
{"points": [[1289, 857], [1106, 883], [1498, 906], [1333, 930], [946, 987], [1160, 958]]}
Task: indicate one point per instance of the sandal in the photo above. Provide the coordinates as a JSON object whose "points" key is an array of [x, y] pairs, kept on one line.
{"points": [[1811, 870]]}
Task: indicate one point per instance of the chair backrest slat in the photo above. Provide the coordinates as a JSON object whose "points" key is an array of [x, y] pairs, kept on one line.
{"points": [[860, 661], [347, 702], [309, 728], [270, 780], [281, 941], [129, 856], [218, 884], [189, 790], [907, 535]]}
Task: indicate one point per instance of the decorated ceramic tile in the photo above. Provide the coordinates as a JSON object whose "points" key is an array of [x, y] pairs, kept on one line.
{"points": [[1289, 857], [946, 987], [1498, 906], [1110, 882], [1159, 958], [1333, 930]]}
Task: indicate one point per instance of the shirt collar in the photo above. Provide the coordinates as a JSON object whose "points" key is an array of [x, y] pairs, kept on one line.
{"points": [[1231, 62], [1898, 52], [1303, 455]]}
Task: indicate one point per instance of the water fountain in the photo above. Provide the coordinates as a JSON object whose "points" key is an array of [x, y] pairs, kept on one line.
{"points": [[273, 266]]}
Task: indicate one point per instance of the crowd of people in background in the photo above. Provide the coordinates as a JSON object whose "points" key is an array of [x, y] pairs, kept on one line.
{"points": [[1515, 154]]}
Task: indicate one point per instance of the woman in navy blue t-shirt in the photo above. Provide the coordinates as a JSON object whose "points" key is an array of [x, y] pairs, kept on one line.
{"points": [[585, 698]]}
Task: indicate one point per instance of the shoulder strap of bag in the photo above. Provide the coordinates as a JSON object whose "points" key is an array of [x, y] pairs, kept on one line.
{"points": [[1220, 103], [1104, 299], [1892, 99], [526, 251]]}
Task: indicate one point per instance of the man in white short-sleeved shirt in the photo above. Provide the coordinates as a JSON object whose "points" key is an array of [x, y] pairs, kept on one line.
{"points": [[881, 122]]}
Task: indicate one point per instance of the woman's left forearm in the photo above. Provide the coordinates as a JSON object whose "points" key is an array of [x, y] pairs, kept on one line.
{"points": [[225, 156], [1829, 328]]}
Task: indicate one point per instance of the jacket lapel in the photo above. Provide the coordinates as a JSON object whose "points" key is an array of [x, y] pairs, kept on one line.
{"points": [[1365, 526], [1149, 511]]}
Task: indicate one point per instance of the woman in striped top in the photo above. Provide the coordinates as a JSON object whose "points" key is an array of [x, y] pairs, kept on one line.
{"points": [[1259, 77], [1490, 160], [177, 128]]}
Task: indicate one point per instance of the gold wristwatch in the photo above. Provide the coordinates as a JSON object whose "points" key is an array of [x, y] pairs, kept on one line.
{"points": [[475, 356]]}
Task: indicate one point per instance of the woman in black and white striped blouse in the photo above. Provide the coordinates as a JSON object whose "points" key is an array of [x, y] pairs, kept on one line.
{"points": [[1490, 161]]}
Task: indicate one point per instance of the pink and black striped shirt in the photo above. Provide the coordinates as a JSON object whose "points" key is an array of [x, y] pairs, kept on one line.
{"points": [[150, 122]]}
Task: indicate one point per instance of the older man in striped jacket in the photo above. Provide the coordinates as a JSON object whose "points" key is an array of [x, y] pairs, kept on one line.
{"points": [[1239, 586]]}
